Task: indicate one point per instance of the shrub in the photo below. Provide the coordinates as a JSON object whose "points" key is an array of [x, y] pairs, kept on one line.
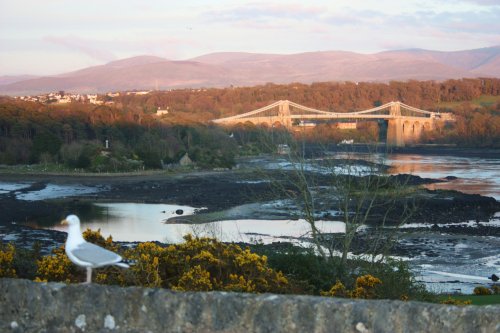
{"points": [[146, 268], [25, 261], [309, 273], [482, 291], [396, 273], [496, 289], [58, 267], [312, 274], [105, 163], [79, 154], [337, 290], [204, 264], [365, 287], [195, 279], [452, 301], [96, 238], [44, 143], [7, 261], [195, 265]]}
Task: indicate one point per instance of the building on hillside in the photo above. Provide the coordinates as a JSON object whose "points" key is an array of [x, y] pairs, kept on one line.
{"points": [[186, 160], [161, 112], [305, 123], [64, 99], [445, 116]]}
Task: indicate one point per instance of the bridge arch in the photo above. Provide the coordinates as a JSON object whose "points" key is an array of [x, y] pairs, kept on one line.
{"points": [[278, 124], [405, 123], [417, 129], [407, 127]]}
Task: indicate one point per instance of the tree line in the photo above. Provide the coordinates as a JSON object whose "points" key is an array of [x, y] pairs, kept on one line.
{"points": [[104, 138], [329, 96], [476, 125], [75, 134]]}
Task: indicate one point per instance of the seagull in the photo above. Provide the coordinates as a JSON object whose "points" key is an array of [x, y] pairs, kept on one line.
{"points": [[85, 254]]}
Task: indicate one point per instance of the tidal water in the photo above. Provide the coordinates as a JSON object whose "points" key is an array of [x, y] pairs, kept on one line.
{"points": [[147, 222], [474, 175], [448, 263]]}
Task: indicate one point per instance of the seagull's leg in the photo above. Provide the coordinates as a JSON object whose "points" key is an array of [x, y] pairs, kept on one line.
{"points": [[89, 275]]}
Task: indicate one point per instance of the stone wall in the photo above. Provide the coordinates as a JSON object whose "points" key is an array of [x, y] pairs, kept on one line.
{"points": [[26, 306]]}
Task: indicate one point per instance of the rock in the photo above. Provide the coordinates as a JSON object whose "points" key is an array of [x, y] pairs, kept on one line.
{"points": [[27, 306]]}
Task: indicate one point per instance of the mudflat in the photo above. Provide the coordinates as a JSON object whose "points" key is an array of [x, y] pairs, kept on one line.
{"points": [[215, 190]]}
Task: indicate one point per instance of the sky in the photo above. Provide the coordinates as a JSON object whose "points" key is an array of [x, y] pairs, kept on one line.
{"points": [[54, 36]]}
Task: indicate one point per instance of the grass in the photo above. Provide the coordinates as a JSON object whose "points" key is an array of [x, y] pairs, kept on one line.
{"points": [[61, 170], [481, 101], [476, 300]]}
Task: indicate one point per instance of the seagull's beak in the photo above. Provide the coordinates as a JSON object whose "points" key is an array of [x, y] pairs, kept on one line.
{"points": [[64, 221]]}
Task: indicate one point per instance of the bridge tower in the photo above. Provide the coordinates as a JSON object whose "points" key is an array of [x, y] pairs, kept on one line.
{"points": [[284, 114], [395, 126]]}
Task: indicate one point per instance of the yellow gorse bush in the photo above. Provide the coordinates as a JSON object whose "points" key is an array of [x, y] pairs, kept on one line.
{"points": [[204, 264], [58, 267], [96, 238], [496, 289], [482, 291], [452, 301], [6, 261], [200, 264], [195, 279], [364, 287], [337, 290], [146, 269]]}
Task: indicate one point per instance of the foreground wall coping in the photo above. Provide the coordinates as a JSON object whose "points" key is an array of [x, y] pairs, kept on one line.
{"points": [[27, 306]]}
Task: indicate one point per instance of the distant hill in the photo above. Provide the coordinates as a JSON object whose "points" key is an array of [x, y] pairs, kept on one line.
{"points": [[485, 61], [8, 79], [247, 69]]}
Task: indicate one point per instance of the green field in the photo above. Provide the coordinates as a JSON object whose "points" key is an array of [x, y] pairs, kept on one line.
{"points": [[482, 101]]}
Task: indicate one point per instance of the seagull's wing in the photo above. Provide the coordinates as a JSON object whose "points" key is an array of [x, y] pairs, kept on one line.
{"points": [[95, 255]]}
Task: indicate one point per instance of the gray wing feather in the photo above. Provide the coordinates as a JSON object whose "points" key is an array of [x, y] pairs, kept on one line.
{"points": [[95, 255]]}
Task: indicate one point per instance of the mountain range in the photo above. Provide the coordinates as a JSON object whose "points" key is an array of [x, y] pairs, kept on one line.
{"points": [[247, 69]]}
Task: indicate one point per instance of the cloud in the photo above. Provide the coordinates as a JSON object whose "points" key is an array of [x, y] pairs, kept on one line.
{"points": [[484, 22], [79, 45], [484, 2], [263, 11]]}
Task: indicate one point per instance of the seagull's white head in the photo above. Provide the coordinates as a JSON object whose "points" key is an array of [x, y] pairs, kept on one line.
{"points": [[71, 220]]}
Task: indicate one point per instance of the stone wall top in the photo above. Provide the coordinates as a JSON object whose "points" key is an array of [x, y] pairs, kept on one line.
{"points": [[27, 306]]}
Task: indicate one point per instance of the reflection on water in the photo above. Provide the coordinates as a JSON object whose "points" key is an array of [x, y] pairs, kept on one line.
{"points": [[87, 211], [136, 222], [475, 175], [145, 222]]}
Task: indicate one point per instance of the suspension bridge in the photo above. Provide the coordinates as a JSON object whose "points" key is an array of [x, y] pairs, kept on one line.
{"points": [[405, 123]]}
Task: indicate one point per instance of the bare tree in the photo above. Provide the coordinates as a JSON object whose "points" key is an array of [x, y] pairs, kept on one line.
{"points": [[358, 191]]}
